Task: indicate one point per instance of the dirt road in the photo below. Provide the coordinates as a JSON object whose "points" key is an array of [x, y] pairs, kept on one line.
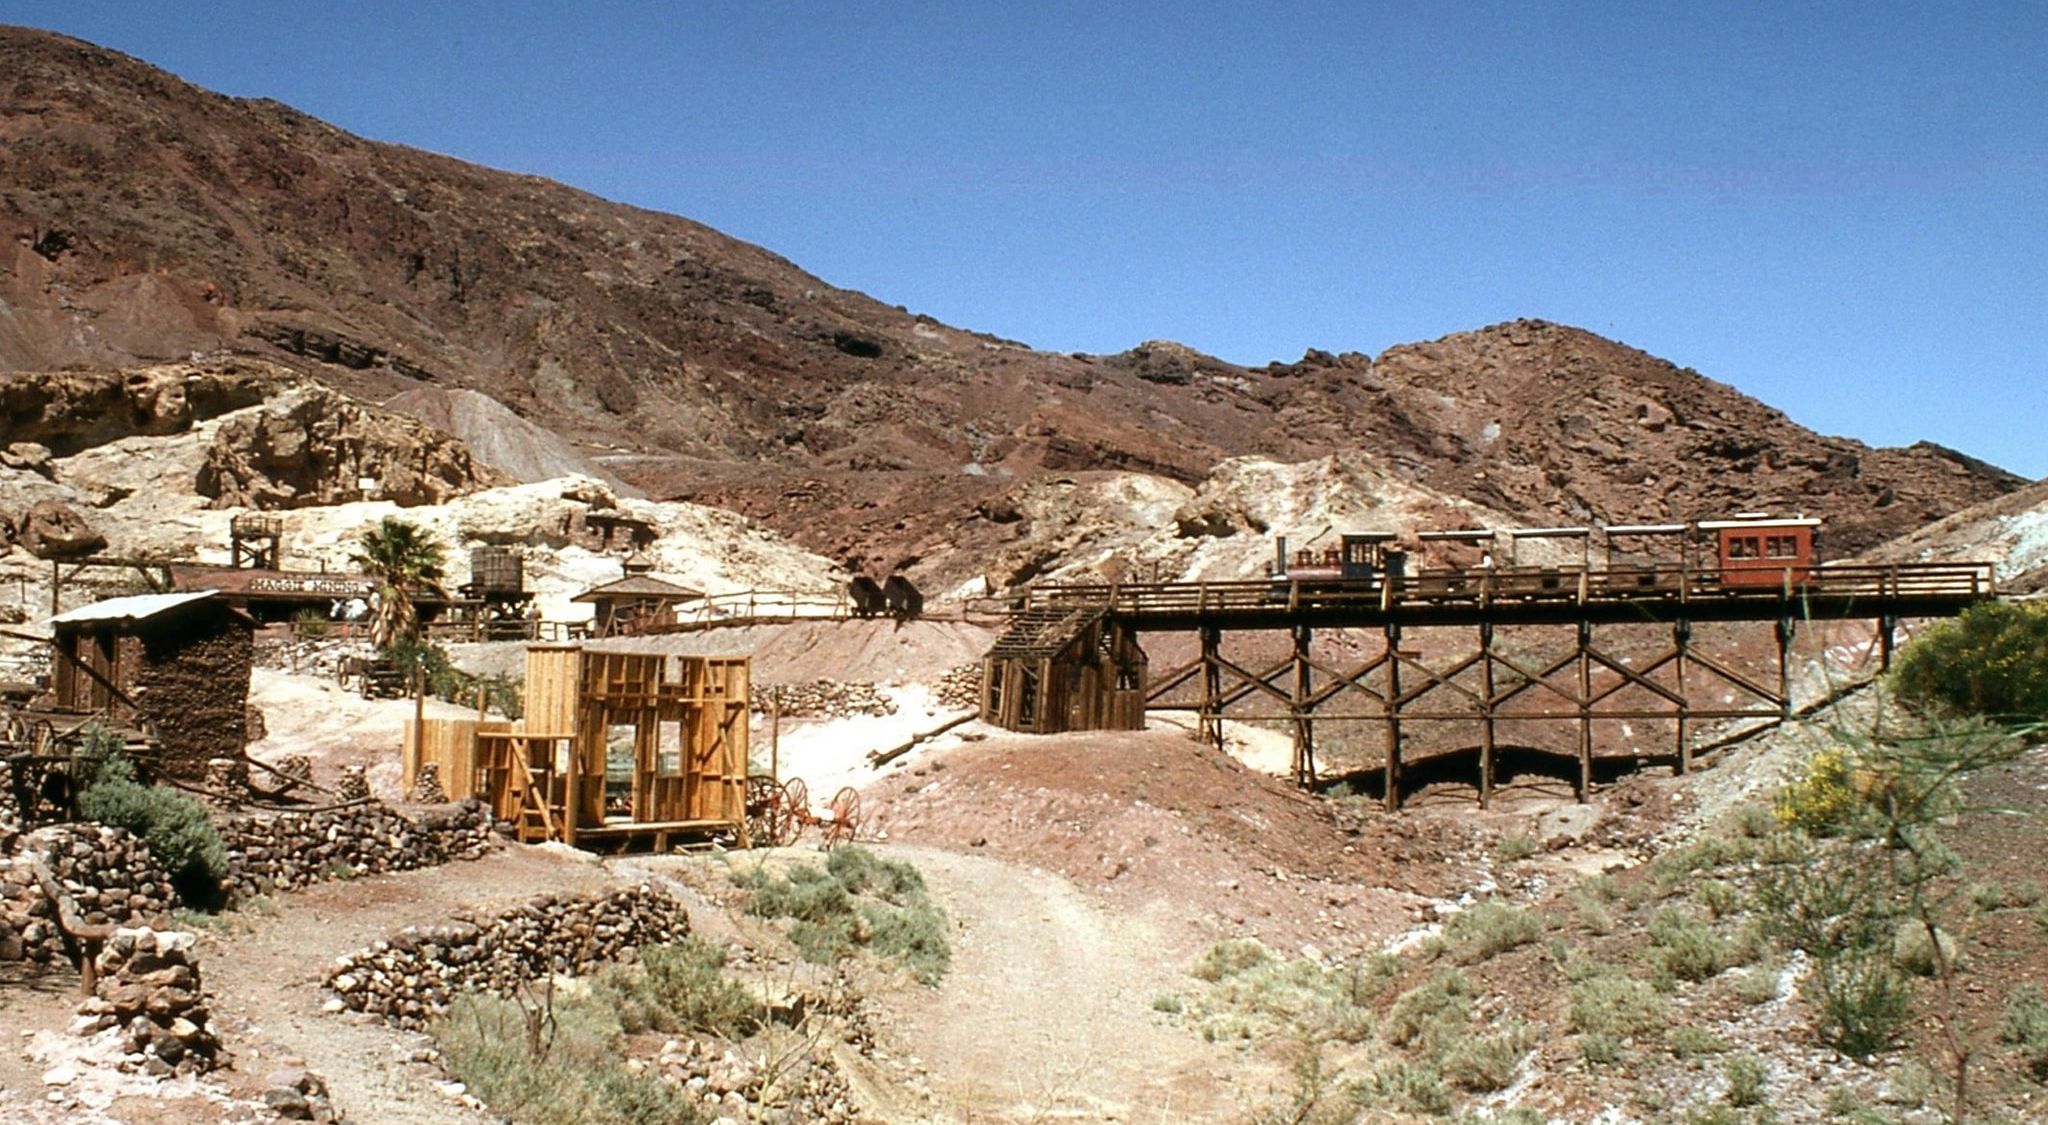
{"points": [[1047, 1013]]}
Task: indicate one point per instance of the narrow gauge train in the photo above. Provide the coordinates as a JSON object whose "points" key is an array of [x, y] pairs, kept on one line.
{"points": [[1748, 551]]}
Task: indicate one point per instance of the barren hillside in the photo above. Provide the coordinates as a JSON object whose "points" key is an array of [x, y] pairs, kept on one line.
{"points": [[148, 219]]}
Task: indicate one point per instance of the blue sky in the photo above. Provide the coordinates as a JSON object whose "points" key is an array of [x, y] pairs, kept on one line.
{"points": [[1840, 209]]}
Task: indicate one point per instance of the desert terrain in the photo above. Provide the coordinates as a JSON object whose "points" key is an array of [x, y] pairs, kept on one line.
{"points": [[214, 307]]}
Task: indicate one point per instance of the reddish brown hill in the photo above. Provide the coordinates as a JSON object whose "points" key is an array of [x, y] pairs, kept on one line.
{"points": [[143, 218], [1537, 417]]}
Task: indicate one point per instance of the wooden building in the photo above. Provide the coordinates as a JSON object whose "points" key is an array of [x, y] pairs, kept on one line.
{"points": [[1064, 669], [172, 667], [636, 603], [615, 750]]}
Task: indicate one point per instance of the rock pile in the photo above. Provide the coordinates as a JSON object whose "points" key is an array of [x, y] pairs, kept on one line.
{"points": [[354, 784], [280, 851], [227, 780], [149, 987], [426, 786], [298, 1094], [723, 1079], [108, 872], [415, 974], [823, 699], [959, 689]]}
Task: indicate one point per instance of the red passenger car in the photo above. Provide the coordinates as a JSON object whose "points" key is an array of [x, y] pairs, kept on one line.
{"points": [[1763, 551]]}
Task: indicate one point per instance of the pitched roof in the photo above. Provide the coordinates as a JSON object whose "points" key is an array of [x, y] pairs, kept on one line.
{"points": [[637, 586], [136, 607]]}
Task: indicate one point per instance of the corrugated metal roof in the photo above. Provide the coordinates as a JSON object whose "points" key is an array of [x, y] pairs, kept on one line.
{"points": [[638, 585], [136, 607]]}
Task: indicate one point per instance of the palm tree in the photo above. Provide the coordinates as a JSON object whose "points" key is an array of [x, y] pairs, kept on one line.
{"points": [[402, 558]]}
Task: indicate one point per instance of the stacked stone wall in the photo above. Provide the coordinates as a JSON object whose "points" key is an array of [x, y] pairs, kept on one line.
{"points": [[416, 973], [833, 699], [108, 872], [112, 877], [270, 852]]}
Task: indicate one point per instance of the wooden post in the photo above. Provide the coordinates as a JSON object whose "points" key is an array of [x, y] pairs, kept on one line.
{"points": [[1393, 716], [1585, 710], [1486, 748], [1887, 628], [1785, 628], [1212, 686], [775, 738], [1681, 636], [1304, 726]]}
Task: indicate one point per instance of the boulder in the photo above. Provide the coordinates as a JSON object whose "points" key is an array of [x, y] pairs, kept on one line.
{"points": [[53, 530]]}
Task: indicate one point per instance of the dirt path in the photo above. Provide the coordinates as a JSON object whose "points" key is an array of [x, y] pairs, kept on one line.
{"points": [[266, 971], [1046, 1013]]}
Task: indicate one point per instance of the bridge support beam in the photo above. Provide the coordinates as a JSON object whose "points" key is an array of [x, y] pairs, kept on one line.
{"points": [[1681, 638], [1393, 706], [1299, 709], [1489, 705], [1784, 633], [1212, 686], [1887, 637], [1585, 702]]}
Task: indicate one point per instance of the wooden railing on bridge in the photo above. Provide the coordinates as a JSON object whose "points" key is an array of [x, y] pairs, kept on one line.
{"points": [[1858, 589]]}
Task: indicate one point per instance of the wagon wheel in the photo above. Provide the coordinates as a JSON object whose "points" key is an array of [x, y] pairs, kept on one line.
{"points": [[796, 804], [845, 822], [765, 812]]}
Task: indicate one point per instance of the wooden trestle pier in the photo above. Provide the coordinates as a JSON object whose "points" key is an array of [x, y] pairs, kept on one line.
{"points": [[1072, 658]]}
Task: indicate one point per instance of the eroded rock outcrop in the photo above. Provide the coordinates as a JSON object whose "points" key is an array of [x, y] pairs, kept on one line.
{"points": [[314, 446], [65, 412], [53, 530]]}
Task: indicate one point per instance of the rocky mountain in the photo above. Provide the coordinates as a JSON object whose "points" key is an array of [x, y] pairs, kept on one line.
{"points": [[142, 218]]}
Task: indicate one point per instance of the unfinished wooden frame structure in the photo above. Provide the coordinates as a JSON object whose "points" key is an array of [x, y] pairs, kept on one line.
{"points": [[678, 722]]}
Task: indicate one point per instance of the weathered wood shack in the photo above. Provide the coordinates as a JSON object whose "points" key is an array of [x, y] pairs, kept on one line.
{"points": [[1064, 669], [634, 604], [174, 667]]}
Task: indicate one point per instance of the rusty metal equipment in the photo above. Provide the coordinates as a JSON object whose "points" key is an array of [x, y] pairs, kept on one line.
{"points": [[779, 812]]}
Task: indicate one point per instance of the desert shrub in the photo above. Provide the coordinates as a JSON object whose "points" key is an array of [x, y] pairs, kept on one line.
{"points": [[1231, 956], [1862, 1002], [1255, 993], [563, 1067], [1686, 949], [1989, 896], [1616, 1006], [1759, 983], [857, 900], [1490, 929], [1746, 1075], [804, 893], [1721, 897], [177, 829], [2025, 893], [1169, 1003], [2025, 1022], [1485, 1063], [1689, 1042], [912, 934], [1923, 953], [861, 871], [1823, 801], [1416, 1087], [1510, 1116], [681, 987], [1433, 1014], [1992, 660], [1515, 847], [1600, 1048], [310, 623]]}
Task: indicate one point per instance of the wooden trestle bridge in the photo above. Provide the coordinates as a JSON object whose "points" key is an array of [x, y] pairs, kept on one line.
{"points": [[1071, 659]]}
